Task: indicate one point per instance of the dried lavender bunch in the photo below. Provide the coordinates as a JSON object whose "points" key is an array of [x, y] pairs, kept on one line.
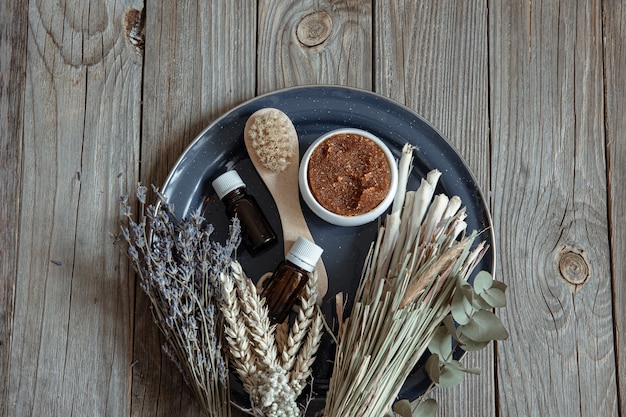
{"points": [[179, 266]]}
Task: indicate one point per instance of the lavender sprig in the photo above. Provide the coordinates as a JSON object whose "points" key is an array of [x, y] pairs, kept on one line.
{"points": [[179, 265]]}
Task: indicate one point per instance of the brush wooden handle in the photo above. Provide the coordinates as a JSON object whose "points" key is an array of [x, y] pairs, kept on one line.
{"points": [[286, 193]]}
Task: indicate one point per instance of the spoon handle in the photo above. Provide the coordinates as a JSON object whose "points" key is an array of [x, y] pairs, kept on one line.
{"points": [[284, 190]]}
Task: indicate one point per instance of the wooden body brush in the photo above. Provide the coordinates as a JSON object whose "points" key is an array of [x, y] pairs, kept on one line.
{"points": [[272, 143]]}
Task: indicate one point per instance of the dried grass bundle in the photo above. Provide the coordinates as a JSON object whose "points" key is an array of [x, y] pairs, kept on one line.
{"points": [[406, 291]]}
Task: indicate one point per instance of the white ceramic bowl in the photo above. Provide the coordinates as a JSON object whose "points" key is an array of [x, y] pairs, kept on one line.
{"points": [[335, 218]]}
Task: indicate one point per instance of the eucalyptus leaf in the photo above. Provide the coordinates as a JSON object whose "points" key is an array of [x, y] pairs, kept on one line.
{"points": [[494, 297], [403, 407], [448, 322], [469, 345], [480, 303], [466, 289], [454, 364], [482, 282], [441, 342], [468, 305], [484, 326], [432, 367], [473, 371], [499, 285], [450, 377], [427, 408], [458, 308]]}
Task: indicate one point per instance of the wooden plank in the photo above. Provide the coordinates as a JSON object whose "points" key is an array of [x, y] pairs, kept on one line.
{"points": [[439, 69], [199, 63], [13, 33], [549, 193], [432, 57], [614, 36], [70, 350], [314, 42]]}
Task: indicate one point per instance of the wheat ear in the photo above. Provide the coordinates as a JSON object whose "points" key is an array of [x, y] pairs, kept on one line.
{"points": [[281, 334], [235, 333], [260, 331], [303, 363], [301, 324]]}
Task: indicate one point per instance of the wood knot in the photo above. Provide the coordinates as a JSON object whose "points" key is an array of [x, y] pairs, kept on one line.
{"points": [[133, 29], [314, 29], [573, 266]]}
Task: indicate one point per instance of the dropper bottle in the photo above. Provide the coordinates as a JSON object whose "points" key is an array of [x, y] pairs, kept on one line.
{"points": [[290, 277], [256, 232]]}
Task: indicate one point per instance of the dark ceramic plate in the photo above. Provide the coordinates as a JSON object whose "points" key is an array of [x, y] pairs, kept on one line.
{"points": [[315, 110]]}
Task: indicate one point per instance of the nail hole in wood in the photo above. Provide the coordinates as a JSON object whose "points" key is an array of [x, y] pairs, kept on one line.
{"points": [[314, 29], [573, 266]]}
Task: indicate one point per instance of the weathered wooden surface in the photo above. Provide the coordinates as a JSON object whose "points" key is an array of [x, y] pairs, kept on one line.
{"points": [[314, 42], [71, 322], [13, 20], [197, 66], [550, 203], [614, 42], [531, 93]]}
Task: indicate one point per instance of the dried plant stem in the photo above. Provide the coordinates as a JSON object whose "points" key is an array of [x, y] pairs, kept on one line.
{"points": [[235, 333], [258, 326]]}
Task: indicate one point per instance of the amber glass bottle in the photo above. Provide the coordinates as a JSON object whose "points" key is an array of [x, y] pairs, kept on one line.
{"points": [[290, 277], [256, 232]]}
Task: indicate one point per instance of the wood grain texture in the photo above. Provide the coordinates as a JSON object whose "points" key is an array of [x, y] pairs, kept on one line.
{"points": [[439, 69], [199, 63], [532, 93], [70, 350], [13, 23], [314, 42], [614, 37], [549, 195]]}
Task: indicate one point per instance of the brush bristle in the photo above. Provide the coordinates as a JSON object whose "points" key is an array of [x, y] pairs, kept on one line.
{"points": [[272, 138]]}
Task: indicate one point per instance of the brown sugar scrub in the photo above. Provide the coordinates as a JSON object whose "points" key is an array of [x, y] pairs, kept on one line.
{"points": [[349, 174]]}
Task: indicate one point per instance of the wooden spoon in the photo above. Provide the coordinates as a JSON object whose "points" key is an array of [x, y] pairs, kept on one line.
{"points": [[279, 139]]}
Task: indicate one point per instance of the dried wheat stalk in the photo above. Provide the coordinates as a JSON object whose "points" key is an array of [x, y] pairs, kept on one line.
{"points": [[303, 363], [236, 334], [281, 334], [274, 374]]}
